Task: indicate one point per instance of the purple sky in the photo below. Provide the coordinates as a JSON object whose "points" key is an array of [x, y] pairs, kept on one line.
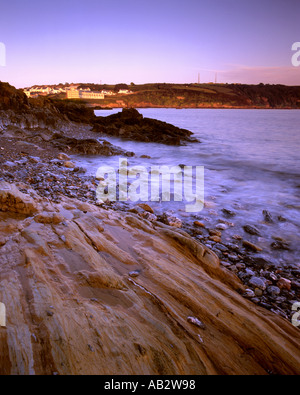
{"points": [[149, 41]]}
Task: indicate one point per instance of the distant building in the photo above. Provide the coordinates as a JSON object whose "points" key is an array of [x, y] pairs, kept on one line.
{"points": [[124, 92], [84, 94]]}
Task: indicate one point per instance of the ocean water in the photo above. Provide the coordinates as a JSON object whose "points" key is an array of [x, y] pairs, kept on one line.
{"points": [[252, 163]]}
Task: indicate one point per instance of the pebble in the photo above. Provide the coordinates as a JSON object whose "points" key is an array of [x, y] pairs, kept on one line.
{"points": [[251, 246], [222, 227], [284, 283], [228, 213], [249, 293], [273, 291], [252, 230], [258, 292], [258, 282], [200, 224]]}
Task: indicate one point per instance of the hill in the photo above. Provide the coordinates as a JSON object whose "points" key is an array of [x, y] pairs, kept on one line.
{"points": [[201, 96]]}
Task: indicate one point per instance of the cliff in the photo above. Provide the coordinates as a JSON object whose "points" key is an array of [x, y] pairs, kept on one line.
{"points": [[91, 291]]}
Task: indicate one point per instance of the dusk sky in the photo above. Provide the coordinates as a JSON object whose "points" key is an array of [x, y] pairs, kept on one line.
{"points": [[142, 41]]}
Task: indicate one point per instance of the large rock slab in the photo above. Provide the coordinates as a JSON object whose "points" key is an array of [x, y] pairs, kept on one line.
{"points": [[73, 306]]}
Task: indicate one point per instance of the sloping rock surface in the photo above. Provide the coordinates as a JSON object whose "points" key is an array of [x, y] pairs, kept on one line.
{"points": [[90, 291]]}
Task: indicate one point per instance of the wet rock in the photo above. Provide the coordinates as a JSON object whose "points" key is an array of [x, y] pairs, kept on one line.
{"points": [[252, 230], [280, 245], [249, 293], [229, 213], [216, 239], [221, 226], [258, 292], [258, 262], [268, 217], [146, 207], [273, 291], [251, 246], [214, 232], [130, 124], [63, 156], [69, 165], [258, 282], [221, 247], [284, 283], [199, 224]]}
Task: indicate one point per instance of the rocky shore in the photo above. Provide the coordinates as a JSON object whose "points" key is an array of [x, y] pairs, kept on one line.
{"points": [[89, 290], [267, 283], [121, 288]]}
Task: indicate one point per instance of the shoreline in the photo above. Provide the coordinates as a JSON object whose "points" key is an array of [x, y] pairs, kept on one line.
{"points": [[268, 285]]}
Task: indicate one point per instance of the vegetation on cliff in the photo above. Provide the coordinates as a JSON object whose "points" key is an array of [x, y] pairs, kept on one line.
{"points": [[203, 96]]}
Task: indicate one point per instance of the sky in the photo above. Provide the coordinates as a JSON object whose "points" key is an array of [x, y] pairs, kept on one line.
{"points": [[172, 41]]}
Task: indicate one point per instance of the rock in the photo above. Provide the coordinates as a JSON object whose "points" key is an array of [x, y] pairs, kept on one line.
{"points": [[273, 291], [280, 245], [249, 293], [252, 230], [146, 207], [221, 226], [49, 218], [175, 222], [69, 165], [213, 232], [267, 217], [237, 237], [12, 200], [221, 247], [216, 239], [258, 292], [251, 246], [258, 282], [233, 257], [284, 283], [130, 124], [109, 323], [199, 224], [228, 213], [63, 157], [145, 157], [259, 262], [86, 146]]}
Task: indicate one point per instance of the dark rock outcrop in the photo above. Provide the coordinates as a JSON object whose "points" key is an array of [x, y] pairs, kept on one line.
{"points": [[87, 146], [130, 124]]}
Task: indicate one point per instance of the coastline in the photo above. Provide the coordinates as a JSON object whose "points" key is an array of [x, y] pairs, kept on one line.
{"points": [[122, 289]]}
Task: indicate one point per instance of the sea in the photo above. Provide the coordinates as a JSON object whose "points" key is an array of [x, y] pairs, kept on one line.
{"points": [[251, 161]]}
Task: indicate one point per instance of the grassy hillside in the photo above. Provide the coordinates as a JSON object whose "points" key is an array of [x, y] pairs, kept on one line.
{"points": [[202, 96]]}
